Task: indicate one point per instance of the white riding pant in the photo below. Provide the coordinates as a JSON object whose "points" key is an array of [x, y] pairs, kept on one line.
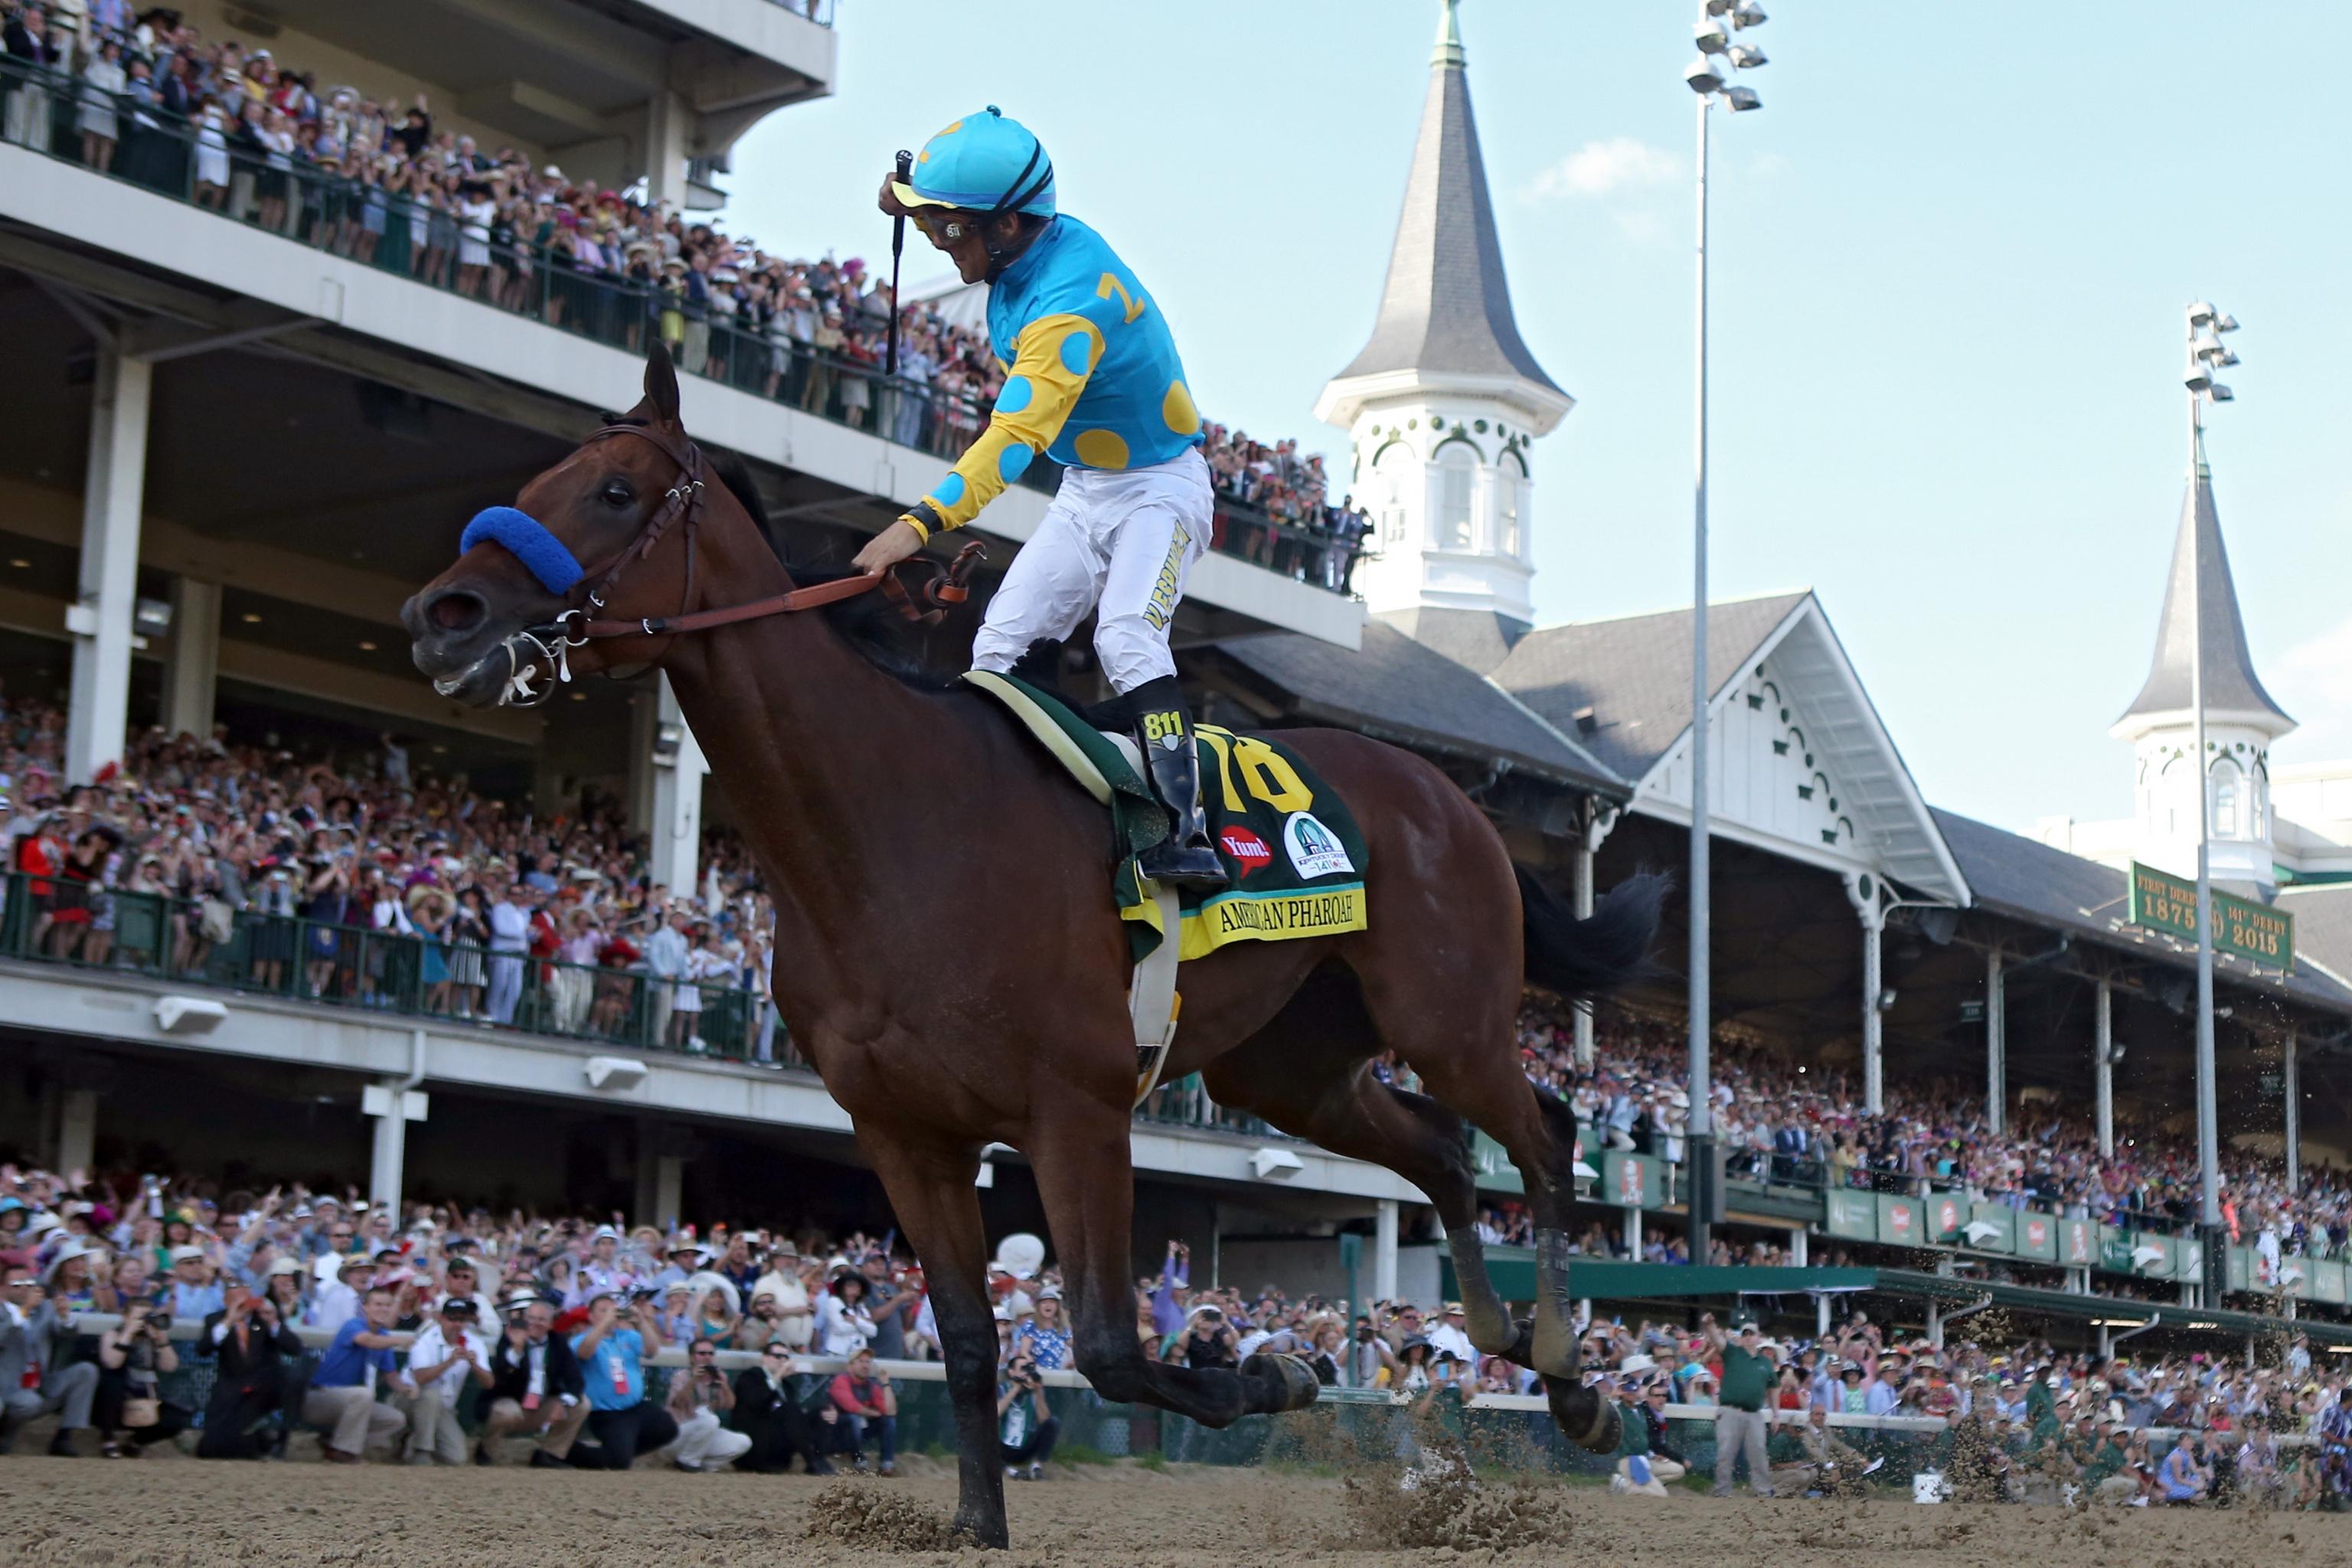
{"points": [[1117, 543]]}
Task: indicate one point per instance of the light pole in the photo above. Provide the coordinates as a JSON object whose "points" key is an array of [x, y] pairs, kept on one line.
{"points": [[1706, 76], [2207, 353]]}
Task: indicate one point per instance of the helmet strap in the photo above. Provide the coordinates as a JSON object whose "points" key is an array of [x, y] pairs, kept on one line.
{"points": [[1020, 193]]}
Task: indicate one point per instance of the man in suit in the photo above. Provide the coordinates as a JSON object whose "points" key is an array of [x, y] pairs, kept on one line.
{"points": [[768, 1410], [258, 1370], [535, 1387], [30, 1384]]}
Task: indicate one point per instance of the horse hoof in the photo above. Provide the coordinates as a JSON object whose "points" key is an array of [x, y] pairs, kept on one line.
{"points": [[1292, 1377], [1591, 1422]]}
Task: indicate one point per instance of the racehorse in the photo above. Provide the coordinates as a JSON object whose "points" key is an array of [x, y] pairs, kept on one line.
{"points": [[955, 970]]}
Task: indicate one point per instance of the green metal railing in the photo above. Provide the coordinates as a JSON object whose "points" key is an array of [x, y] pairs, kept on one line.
{"points": [[364, 222]]}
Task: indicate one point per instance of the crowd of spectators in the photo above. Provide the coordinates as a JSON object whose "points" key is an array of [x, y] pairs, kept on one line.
{"points": [[376, 884], [448, 1335], [375, 180], [1803, 1124]]}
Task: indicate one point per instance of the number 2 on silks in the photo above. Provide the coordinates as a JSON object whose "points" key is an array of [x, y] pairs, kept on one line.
{"points": [[1111, 285], [1266, 772]]}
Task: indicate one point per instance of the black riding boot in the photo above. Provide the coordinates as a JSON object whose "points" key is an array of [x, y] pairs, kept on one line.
{"points": [[1185, 858]]}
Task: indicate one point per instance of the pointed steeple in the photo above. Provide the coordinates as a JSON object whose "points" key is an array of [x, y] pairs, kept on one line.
{"points": [[2231, 686], [1446, 310]]}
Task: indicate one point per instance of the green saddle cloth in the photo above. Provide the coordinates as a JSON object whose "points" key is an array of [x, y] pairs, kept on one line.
{"points": [[1288, 841]]}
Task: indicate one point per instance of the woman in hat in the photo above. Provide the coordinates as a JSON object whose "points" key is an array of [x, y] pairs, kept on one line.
{"points": [[467, 932], [428, 913]]}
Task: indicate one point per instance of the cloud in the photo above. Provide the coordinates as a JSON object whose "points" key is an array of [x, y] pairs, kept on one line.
{"points": [[1605, 168]]}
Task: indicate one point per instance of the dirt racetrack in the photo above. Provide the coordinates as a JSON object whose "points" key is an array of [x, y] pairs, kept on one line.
{"points": [[167, 1511]]}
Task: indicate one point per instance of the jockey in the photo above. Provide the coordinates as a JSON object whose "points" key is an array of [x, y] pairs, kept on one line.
{"points": [[1095, 382]]}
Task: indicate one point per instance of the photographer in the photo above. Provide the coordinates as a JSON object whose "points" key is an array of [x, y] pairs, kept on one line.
{"points": [[445, 1352], [769, 1410], [342, 1390], [1209, 1341], [863, 1394], [536, 1388], [130, 1407], [1026, 1429], [611, 1350], [254, 1350], [1365, 1357], [699, 1400]]}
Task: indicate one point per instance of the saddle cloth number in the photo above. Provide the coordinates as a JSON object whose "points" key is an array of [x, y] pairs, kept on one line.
{"points": [[1263, 771]]}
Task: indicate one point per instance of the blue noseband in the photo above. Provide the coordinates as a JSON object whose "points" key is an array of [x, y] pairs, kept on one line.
{"points": [[550, 560]]}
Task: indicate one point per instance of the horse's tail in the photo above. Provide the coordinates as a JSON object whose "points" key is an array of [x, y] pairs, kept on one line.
{"points": [[1586, 957]]}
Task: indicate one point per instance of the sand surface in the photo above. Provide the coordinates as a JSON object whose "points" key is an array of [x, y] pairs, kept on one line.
{"points": [[170, 1510]]}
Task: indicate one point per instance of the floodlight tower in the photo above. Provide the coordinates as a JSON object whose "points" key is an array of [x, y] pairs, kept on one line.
{"points": [[1709, 78]]}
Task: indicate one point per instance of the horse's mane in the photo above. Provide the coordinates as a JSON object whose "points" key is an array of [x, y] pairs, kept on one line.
{"points": [[880, 635]]}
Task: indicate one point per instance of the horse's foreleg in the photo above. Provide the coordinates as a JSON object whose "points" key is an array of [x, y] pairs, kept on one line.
{"points": [[931, 1193], [1085, 1178]]}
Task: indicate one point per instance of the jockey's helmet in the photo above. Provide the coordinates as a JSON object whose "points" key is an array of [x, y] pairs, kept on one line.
{"points": [[983, 164]]}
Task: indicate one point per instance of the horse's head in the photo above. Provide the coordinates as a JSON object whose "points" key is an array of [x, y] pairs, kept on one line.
{"points": [[616, 518]]}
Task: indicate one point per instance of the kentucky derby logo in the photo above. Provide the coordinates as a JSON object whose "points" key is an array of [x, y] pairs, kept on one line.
{"points": [[1245, 850], [1314, 848]]}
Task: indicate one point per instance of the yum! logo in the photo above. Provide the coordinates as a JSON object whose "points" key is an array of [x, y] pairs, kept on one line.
{"points": [[1245, 850]]}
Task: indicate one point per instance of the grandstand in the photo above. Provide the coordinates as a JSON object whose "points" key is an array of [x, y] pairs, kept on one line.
{"points": [[239, 440]]}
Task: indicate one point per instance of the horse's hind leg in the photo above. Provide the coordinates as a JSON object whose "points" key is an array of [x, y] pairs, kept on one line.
{"points": [[1306, 1073], [1085, 1179]]}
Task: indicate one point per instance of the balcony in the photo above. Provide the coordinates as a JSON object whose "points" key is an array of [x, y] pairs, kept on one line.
{"points": [[332, 251]]}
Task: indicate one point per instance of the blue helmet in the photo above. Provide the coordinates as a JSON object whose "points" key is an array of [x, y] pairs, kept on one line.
{"points": [[983, 164]]}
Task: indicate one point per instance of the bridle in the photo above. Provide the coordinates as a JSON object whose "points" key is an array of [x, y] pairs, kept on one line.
{"points": [[548, 645]]}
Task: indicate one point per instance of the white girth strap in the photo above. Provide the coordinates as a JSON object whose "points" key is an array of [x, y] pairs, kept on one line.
{"points": [[1151, 997]]}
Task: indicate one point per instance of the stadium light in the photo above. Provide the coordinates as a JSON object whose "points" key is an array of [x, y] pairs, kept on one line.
{"points": [[1706, 78], [2205, 351]]}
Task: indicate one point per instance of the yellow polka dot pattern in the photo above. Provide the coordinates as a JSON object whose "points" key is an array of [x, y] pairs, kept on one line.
{"points": [[1101, 450], [1177, 412]]}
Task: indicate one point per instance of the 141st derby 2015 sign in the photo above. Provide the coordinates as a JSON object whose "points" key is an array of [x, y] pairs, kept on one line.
{"points": [[2252, 931]]}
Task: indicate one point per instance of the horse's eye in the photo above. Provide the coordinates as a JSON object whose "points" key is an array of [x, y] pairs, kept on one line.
{"points": [[616, 492]]}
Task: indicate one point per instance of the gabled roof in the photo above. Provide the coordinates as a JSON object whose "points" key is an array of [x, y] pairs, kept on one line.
{"points": [[2029, 880], [1446, 308], [1395, 689], [2231, 686], [2323, 922], [1634, 676]]}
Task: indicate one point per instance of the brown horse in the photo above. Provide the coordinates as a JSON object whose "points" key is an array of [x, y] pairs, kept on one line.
{"points": [[959, 976]]}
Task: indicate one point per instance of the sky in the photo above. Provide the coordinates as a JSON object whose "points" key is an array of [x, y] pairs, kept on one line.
{"points": [[1950, 259]]}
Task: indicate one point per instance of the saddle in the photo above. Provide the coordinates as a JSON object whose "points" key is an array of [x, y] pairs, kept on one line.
{"points": [[1289, 844]]}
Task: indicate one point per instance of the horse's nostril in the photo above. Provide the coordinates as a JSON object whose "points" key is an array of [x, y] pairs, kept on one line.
{"points": [[458, 611]]}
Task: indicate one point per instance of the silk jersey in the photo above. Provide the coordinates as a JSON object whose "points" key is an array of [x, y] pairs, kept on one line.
{"points": [[1094, 379]]}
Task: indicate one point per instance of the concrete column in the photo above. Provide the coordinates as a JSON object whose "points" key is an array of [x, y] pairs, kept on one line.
{"points": [[669, 129], [1996, 1046], [673, 792], [669, 1184], [386, 1165], [113, 492], [76, 1129], [1821, 1316], [1800, 1248], [2103, 1053], [1599, 820], [1384, 1252], [195, 669], [1633, 1234], [2291, 1082], [1936, 1324], [1863, 892]]}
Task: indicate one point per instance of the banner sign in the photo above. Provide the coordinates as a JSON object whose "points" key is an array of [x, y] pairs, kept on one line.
{"points": [[2037, 1236], [1991, 1227], [2078, 1243], [2115, 1250], [1852, 1215], [1900, 1221], [1945, 1214], [1631, 1180], [2252, 931]]}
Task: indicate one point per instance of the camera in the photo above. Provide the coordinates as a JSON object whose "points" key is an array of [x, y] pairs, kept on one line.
{"points": [[159, 1321]]}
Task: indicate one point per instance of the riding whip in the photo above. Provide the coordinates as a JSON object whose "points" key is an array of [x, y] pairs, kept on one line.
{"points": [[898, 245]]}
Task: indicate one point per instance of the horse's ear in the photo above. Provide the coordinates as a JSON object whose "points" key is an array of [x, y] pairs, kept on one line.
{"points": [[661, 385]]}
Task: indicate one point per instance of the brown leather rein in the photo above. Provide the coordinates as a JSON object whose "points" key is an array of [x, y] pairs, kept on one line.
{"points": [[526, 650]]}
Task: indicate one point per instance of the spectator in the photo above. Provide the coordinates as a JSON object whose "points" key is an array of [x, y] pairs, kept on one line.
{"points": [[1741, 1428], [769, 1412], [1046, 1337], [700, 1401], [611, 1351], [862, 1393], [444, 1355], [131, 1413], [537, 1388], [256, 1392], [31, 1384], [1026, 1428], [343, 1392], [844, 1326]]}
